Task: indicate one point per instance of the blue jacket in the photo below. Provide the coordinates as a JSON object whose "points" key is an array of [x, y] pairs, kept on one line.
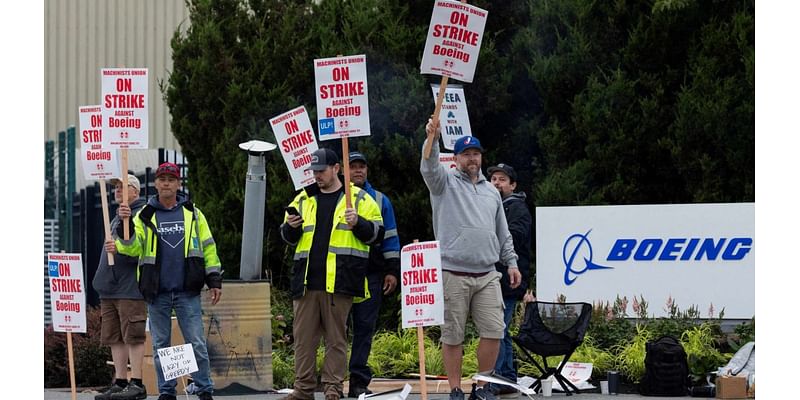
{"points": [[385, 257]]}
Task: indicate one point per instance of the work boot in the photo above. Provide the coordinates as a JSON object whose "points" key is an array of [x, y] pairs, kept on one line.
{"points": [[131, 392], [106, 395], [479, 393], [456, 394], [356, 391]]}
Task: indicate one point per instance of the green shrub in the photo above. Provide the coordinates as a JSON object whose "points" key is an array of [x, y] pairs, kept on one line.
{"points": [[702, 356], [89, 355], [630, 354], [283, 368], [602, 361]]}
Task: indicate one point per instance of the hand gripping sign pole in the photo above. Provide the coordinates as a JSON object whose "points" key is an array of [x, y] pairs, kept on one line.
{"points": [[451, 49]]}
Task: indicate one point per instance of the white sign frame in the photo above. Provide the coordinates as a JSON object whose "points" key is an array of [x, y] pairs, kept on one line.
{"points": [[98, 162], [591, 248], [125, 102], [342, 97], [454, 40], [67, 292], [295, 136], [454, 117], [177, 361], [422, 289]]}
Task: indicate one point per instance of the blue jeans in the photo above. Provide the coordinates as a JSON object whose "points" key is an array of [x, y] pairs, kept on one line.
{"points": [[505, 357], [365, 316], [190, 320]]}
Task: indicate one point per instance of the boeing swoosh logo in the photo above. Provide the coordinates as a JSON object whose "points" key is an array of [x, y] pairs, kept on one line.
{"points": [[572, 246]]}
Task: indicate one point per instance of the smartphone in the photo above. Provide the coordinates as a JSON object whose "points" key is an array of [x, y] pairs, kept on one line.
{"points": [[292, 211]]}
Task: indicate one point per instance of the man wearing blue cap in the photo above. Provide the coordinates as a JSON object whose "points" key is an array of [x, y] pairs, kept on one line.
{"points": [[470, 224]]}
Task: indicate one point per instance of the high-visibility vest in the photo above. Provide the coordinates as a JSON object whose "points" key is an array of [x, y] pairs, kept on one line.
{"points": [[347, 257]]}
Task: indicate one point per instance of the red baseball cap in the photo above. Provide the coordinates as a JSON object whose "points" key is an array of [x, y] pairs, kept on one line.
{"points": [[168, 168]]}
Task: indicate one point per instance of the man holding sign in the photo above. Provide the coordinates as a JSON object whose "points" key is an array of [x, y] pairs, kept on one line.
{"points": [[330, 266], [177, 256], [469, 222], [123, 310]]}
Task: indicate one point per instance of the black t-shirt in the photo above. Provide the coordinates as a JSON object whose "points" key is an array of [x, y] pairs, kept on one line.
{"points": [[326, 204]]}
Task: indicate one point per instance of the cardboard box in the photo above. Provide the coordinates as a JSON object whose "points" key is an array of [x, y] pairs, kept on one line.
{"points": [[731, 387]]}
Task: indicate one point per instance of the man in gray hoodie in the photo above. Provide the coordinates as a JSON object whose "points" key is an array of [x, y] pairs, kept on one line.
{"points": [[470, 225], [122, 306]]}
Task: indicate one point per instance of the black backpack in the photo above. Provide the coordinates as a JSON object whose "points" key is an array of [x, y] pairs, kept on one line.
{"points": [[666, 369]]}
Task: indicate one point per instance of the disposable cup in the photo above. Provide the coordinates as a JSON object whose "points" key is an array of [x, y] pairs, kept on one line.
{"points": [[547, 388], [604, 387]]}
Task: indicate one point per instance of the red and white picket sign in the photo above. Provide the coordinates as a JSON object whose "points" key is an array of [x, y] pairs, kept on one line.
{"points": [[295, 137], [448, 160], [98, 162], [67, 293], [124, 107], [454, 40], [342, 97], [422, 293]]}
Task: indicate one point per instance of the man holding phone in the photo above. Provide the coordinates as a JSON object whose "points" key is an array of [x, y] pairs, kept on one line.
{"points": [[330, 264]]}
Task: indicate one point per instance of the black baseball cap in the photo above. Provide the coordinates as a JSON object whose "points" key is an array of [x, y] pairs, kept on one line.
{"points": [[357, 156], [504, 168], [322, 159]]}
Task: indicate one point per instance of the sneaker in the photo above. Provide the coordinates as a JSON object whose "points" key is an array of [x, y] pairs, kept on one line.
{"points": [[106, 395], [167, 397], [356, 391], [205, 396], [131, 392], [479, 393], [456, 394]]}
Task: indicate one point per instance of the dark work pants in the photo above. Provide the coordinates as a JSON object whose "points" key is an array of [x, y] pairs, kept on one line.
{"points": [[365, 317]]}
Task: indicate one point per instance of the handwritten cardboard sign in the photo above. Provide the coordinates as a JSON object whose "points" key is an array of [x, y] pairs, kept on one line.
{"points": [[177, 361]]}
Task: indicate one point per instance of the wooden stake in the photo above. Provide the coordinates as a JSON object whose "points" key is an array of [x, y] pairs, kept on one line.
{"points": [[71, 366], [124, 172], [435, 118], [423, 386], [106, 223], [346, 164]]}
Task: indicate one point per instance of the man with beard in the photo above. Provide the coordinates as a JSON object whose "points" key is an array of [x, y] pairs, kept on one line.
{"points": [[469, 223], [331, 259]]}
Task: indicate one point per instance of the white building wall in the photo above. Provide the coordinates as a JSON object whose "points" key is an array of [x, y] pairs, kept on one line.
{"points": [[83, 36]]}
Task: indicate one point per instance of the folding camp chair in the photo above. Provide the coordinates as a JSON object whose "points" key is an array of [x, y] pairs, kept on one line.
{"points": [[552, 329]]}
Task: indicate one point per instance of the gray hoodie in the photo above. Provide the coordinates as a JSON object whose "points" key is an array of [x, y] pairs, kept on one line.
{"points": [[468, 219], [119, 281]]}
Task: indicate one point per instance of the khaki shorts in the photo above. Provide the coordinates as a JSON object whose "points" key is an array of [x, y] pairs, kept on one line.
{"points": [[479, 296], [123, 321]]}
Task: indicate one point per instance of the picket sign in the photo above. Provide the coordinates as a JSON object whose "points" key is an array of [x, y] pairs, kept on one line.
{"points": [[422, 295], [128, 96], [91, 125], [67, 301], [465, 69]]}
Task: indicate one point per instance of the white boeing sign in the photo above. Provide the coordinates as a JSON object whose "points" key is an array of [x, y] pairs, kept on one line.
{"points": [[696, 254]]}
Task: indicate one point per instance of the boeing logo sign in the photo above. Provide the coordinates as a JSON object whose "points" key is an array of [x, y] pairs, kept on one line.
{"points": [[577, 252], [574, 246]]}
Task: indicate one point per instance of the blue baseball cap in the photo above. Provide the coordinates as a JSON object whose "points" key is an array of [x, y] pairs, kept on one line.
{"points": [[467, 142]]}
